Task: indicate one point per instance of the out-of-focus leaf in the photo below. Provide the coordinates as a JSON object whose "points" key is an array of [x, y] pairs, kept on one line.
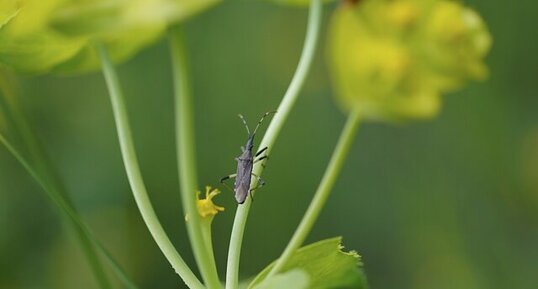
{"points": [[297, 279], [120, 47], [37, 52], [58, 35], [105, 17], [326, 264], [26, 44], [123, 26], [33, 15]]}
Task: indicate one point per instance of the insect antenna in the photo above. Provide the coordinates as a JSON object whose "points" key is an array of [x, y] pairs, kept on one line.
{"points": [[245, 123], [261, 120]]}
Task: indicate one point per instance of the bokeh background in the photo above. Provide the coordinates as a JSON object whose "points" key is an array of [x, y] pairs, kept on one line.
{"points": [[447, 203]]}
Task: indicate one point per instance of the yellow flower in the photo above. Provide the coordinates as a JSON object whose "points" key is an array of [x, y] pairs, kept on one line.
{"points": [[402, 13], [206, 207], [393, 59], [458, 41]]}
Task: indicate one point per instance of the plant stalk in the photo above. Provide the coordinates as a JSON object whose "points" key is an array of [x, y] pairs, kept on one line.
{"points": [[324, 189], [289, 99], [134, 175], [186, 159]]}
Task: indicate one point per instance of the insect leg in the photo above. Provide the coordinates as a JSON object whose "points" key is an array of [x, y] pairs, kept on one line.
{"points": [[228, 177], [261, 183], [222, 181], [258, 154], [260, 159], [260, 151]]}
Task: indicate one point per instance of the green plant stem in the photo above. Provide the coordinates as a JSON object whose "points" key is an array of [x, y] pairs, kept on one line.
{"points": [[186, 155], [324, 189], [134, 175], [208, 240], [69, 213], [241, 215], [45, 169]]}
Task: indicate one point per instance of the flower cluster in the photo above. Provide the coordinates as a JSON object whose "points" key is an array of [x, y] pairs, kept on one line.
{"points": [[392, 59], [58, 35]]}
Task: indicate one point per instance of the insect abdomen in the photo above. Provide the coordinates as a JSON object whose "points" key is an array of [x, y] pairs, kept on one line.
{"points": [[243, 179]]}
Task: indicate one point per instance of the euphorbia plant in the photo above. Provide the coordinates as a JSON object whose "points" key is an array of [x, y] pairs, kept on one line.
{"points": [[390, 60]]}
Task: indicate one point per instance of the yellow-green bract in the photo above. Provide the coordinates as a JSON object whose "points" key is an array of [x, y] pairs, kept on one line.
{"points": [[392, 60], [58, 35]]}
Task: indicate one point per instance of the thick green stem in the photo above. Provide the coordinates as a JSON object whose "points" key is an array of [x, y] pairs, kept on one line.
{"points": [[322, 193], [186, 158], [307, 55], [46, 170], [134, 175]]}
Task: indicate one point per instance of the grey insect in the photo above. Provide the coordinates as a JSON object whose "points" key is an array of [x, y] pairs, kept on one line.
{"points": [[245, 162]]}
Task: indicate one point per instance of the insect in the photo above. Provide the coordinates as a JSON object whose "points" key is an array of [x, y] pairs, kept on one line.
{"points": [[245, 162]]}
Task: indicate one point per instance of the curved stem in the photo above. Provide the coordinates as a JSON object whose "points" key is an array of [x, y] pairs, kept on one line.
{"points": [[307, 55], [65, 207], [322, 193], [186, 158], [135, 177]]}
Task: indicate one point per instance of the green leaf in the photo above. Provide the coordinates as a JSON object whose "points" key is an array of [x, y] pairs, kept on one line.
{"points": [[121, 47], [101, 18], [326, 264], [57, 35], [123, 26], [32, 15], [37, 51], [296, 279], [26, 44]]}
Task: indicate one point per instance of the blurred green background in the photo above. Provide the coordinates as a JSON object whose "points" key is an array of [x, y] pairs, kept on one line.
{"points": [[449, 203]]}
